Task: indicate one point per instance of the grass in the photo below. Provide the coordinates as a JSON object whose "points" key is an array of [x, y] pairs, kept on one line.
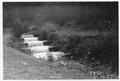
{"points": [[83, 52], [98, 72], [79, 40]]}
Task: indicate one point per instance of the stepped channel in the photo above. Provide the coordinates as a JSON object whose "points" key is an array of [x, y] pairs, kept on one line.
{"points": [[38, 48]]}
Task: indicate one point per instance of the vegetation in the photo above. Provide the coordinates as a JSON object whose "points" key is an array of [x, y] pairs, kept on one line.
{"points": [[98, 52]]}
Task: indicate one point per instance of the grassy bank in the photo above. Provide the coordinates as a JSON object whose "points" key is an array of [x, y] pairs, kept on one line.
{"points": [[78, 35]]}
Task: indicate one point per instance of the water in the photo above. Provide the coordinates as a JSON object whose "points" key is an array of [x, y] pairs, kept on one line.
{"points": [[38, 49]]}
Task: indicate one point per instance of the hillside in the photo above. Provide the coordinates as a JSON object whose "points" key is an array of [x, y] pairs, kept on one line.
{"points": [[87, 32], [21, 66]]}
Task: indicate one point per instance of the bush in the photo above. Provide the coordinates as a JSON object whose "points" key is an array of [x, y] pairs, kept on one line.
{"points": [[107, 50], [18, 30], [45, 30]]}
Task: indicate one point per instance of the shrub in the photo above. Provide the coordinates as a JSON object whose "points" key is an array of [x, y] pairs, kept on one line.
{"points": [[107, 50], [18, 30], [45, 30]]}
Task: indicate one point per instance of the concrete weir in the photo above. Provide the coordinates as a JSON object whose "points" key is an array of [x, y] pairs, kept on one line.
{"points": [[39, 49]]}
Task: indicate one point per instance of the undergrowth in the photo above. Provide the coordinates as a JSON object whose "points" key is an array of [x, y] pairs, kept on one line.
{"points": [[99, 55]]}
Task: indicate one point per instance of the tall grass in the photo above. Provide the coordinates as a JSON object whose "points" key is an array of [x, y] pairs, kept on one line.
{"points": [[54, 23]]}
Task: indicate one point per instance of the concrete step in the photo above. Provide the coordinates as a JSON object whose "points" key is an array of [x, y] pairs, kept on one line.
{"points": [[39, 48], [25, 35], [34, 43], [45, 55], [42, 55], [31, 39]]}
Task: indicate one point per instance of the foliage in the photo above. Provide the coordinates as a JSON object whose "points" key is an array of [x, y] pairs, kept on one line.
{"points": [[50, 21]]}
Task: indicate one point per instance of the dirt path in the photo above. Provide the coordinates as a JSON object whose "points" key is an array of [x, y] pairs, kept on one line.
{"points": [[18, 65]]}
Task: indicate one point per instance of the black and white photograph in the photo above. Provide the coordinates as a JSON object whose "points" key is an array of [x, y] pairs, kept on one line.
{"points": [[60, 40]]}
